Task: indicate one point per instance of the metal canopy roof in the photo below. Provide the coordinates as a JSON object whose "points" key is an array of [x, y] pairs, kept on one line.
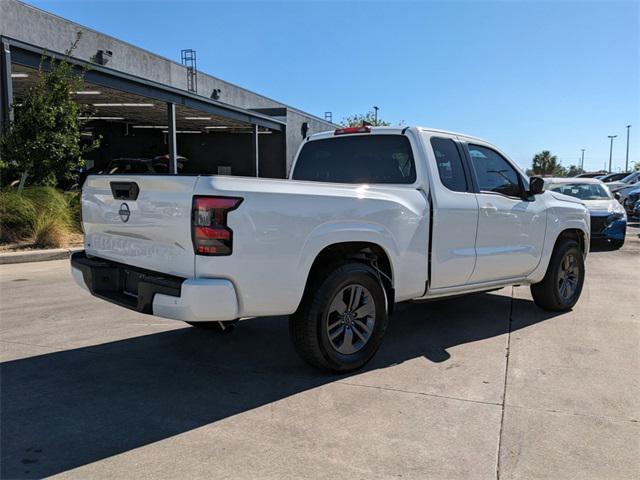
{"points": [[121, 88], [114, 105]]}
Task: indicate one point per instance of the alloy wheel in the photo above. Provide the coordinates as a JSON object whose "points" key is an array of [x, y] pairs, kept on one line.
{"points": [[568, 277], [350, 319]]}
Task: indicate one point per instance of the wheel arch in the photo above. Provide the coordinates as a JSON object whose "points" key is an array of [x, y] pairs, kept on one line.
{"points": [[573, 231], [574, 234], [369, 253], [560, 288]]}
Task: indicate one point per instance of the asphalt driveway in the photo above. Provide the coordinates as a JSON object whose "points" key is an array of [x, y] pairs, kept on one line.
{"points": [[482, 387]]}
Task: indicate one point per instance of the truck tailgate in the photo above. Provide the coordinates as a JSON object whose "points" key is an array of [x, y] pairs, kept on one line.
{"points": [[140, 220]]}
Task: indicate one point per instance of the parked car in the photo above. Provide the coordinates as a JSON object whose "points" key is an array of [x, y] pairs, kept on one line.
{"points": [[630, 179], [128, 165], [630, 200], [636, 209], [608, 218], [591, 174], [370, 216], [159, 164], [613, 177], [621, 193]]}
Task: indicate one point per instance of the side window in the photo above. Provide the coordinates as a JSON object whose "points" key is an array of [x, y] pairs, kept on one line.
{"points": [[449, 164], [493, 172]]}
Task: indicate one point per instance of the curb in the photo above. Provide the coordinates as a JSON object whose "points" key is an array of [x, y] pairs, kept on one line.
{"points": [[37, 255]]}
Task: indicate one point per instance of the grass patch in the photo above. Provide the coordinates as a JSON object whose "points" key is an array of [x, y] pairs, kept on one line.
{"points": [[50, 232], [18, 217], [49, 202], [43, 216], [75, 210]]}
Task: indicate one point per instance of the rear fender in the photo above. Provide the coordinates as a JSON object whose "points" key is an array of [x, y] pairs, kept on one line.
{"points": [[329, 234], [408, 263]]}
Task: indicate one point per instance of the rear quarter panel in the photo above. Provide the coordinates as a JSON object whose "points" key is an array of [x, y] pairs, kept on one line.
{"points": [[282, 225]]}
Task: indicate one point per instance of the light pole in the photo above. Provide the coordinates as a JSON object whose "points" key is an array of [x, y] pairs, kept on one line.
{"points": [[582, 160], [376, 114], [611, 150], [626, 162]]}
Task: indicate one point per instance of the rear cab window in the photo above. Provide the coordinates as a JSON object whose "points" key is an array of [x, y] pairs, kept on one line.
{"points": [[371, 159], [449, 161]]}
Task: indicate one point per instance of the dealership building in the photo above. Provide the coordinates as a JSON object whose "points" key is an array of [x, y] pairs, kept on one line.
{"points": [[144, 105]]}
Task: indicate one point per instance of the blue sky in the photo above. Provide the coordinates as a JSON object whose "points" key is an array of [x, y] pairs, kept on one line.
{"points": [[526, 76]]}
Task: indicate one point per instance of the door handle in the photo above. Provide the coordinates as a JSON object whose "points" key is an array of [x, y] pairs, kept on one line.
{"points": [[125, 190], [489, 209]]}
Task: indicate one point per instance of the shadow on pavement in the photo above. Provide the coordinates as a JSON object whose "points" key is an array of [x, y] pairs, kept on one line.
{"points": [[70, 408]]}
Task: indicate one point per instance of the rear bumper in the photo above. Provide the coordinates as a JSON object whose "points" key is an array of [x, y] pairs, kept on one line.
{"points": [[190, 299]]}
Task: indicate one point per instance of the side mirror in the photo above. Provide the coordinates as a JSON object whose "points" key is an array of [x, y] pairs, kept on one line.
{"points": [[536, 185], [617, 196]]}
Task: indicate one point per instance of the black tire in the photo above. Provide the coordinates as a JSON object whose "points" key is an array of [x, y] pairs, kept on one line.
{"points": [[548, 293], [616, 244], [216, 327], [310, 325]]}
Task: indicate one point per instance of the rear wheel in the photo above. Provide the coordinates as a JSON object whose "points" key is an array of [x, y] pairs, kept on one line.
{"points": [[561, 286], [342, 319], [219, 327]]}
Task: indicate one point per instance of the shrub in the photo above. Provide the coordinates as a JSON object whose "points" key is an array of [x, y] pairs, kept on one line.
{"points": [[18, 217], [50, 203], [42, 215], [50, 232], [75, 210]]}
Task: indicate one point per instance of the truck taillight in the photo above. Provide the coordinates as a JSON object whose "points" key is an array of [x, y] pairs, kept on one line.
{"points": [[211, 235]]}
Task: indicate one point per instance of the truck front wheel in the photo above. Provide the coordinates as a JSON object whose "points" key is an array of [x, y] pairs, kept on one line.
{"points": [[342, 319], [561, 286]]}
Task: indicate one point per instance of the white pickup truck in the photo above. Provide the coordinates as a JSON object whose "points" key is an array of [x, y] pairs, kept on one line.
{"points": [[369, 217]]}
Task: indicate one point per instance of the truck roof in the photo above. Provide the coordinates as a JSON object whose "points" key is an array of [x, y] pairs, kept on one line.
{"points": [[397, 130]]}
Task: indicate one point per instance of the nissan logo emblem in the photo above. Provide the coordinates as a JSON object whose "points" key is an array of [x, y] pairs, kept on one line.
{"points": [[124, 212]]}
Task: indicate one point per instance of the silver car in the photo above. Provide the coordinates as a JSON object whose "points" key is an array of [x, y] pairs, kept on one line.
{"points": [[608, 218]]}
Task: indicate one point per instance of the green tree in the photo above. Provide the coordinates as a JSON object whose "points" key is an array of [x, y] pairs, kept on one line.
{"points": [[44, 143], [573, 171], [368, 118], [545, 164]]}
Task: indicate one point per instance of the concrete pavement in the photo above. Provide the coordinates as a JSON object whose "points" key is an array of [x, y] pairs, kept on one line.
{"points": [[484, 387]]}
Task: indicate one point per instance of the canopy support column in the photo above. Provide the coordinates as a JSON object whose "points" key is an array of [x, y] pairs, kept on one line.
{"points": [[255, 149], [171, 138]]}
